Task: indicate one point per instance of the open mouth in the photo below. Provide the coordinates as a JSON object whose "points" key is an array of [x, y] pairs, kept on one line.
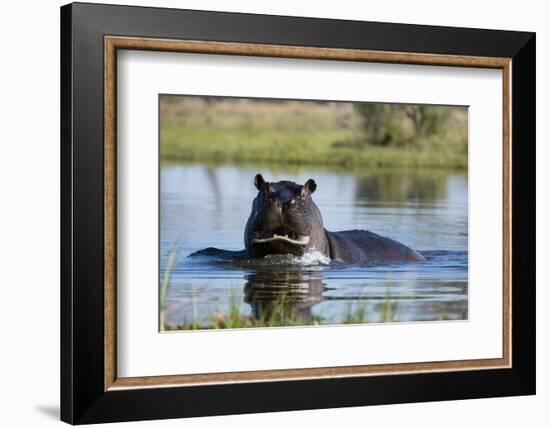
{"points": [[281, 236]]}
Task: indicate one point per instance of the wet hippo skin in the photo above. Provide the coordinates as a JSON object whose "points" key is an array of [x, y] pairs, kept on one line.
{"points": [[285, 220]]}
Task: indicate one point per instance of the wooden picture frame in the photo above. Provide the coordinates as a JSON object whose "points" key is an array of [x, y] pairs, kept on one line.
{"points": [[91, 390]]}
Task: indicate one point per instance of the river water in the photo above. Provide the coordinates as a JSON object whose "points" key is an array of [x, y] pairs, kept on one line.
{"points": [[208, 206]]}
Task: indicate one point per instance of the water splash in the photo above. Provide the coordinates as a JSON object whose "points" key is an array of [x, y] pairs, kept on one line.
{"points": [[311, 258]]}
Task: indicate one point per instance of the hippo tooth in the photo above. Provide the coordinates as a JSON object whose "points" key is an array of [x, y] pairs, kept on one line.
{"points": [[301, 241]]}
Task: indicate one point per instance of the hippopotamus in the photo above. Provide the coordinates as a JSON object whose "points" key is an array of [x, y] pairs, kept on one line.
{"points": [[285, 220]]}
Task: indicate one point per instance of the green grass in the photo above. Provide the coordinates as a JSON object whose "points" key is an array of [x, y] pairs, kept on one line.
{"points": [[232, 318], [164, 285], [358, 312], [302, 147], [302, 133], [284, 316]]}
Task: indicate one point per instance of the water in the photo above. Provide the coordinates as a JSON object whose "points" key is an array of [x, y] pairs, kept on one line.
{"points": [[208, 206]]}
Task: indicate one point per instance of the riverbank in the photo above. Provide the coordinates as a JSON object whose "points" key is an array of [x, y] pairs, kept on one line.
{"points": [[331, 148], [298, 133]]}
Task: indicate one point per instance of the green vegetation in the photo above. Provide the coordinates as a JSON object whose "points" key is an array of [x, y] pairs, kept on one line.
{"points": [[312, 133], [233, 318], [285, 310], [165, 283], [358, 312], [282, 312]]}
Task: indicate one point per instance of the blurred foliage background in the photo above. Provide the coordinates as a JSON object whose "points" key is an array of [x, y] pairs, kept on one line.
{"points": [[239, 130]]}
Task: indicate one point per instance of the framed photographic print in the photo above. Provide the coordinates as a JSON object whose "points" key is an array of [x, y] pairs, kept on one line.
{"points": [[265, 213]]}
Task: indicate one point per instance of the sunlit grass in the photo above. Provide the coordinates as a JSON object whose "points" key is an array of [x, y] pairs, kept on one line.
{"points": [[298, 133], [299, 147]]}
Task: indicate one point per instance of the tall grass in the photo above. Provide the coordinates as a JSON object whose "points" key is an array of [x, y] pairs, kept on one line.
{"points": [[358, 312], [164, 286]]}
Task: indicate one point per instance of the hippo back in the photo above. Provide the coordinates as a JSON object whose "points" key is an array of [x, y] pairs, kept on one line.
{"points": [[362, 246]]}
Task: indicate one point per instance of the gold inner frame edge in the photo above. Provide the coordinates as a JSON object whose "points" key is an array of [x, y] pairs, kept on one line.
{"points": [[113, 43]]}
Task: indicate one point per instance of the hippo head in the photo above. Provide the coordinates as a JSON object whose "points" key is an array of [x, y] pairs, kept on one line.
{"points": [[284, 220]]}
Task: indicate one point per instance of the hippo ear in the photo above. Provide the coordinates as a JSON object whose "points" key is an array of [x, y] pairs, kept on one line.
{"points": [[259, 181], [310, 185]]}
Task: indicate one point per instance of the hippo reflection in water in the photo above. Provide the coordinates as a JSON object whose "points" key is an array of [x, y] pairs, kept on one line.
{"points": [[284, 297], [285, 220]]}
